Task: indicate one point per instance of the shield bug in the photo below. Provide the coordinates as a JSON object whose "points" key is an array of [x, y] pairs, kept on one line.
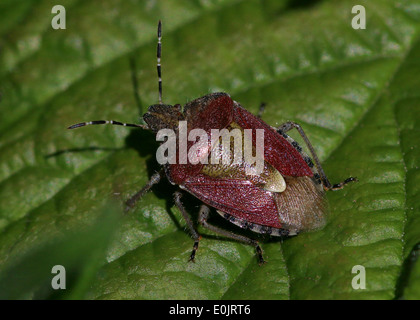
{"points": [[284, 198]]}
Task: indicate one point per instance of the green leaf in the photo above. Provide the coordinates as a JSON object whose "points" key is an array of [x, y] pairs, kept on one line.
{"points": [[70, 261], [354, 92]]}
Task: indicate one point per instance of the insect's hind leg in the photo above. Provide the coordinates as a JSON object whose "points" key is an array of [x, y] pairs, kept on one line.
{"points": [[133, 200], [202, 219], [327, 184]]}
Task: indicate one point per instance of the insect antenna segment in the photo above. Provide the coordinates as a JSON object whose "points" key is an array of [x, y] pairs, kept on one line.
{"points": [[83, 124], [159, 55]]}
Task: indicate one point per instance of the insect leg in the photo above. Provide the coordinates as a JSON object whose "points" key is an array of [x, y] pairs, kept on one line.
{"points": [[203, 221], [202, 214], [327, 184], [132, 201], [196, 236]]}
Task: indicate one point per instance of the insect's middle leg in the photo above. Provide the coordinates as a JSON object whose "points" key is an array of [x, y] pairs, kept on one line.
{"points": [[327, 184]]}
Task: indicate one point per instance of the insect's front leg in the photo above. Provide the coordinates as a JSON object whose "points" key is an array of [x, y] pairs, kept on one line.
{"points": [[195, 235], [261, 110], [153, 180]]}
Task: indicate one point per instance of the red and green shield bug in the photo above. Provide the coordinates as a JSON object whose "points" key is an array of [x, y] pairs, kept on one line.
{"points": [[286, 197]]}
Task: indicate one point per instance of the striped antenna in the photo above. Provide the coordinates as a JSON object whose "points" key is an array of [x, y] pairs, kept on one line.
{"points": [[117, 123], [159, 71], [159, 54]]}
